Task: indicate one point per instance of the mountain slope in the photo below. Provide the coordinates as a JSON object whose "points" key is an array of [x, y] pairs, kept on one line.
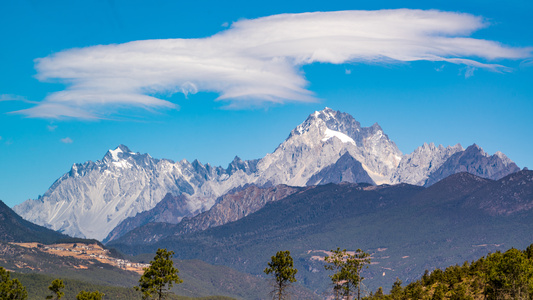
{"points": [[172, 209], [95, 197], [415, 167], [329, 146], [199, 278], [228, 208], [474, 161], [406, 228], [15, 229], [511, 195], [346, 169]]}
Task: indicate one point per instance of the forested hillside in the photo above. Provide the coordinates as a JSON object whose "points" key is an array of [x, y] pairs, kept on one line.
{"points": [[507, 275]]}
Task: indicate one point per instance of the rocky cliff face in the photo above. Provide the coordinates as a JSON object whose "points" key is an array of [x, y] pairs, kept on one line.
{"points": [[94, 197], [320, 142], [414, 168], [172, 209], [474, 161], [233, 206], [328, 147]]}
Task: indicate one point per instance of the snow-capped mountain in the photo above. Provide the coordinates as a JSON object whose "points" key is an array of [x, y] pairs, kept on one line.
{"points": [[329, 146], [321, 141], [94, 197], [415, 167]]}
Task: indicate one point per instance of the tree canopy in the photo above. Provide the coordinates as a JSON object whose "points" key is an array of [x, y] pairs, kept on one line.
{"points": [[160, 276], [505, 276], [55, 288], [282, 267], [83, 295], [347, 267], [11, 289]]}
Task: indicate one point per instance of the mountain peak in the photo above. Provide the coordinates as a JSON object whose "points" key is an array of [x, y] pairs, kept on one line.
{"points": [[123, 148], [114, 155], [326, 114], [375, 127], [506, 160], [474, 148]]}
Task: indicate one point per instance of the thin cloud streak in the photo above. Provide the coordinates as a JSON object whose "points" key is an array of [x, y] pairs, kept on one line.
{"points": [[11, 97], [257, 60]]}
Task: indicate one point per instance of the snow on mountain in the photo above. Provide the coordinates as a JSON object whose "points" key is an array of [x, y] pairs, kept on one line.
{"points": [[474, 161], [94, 197], [329, 146], [415, 167], [320, 141]]}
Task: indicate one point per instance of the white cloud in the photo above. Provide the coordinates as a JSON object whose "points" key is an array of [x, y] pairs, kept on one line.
{"points": [[66, 140], [257, 60], [11, 97], [51, 127]]}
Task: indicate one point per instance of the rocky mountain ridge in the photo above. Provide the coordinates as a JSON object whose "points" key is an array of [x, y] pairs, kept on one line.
{"points": [[230, 207], [329, 146], [406, 228]]}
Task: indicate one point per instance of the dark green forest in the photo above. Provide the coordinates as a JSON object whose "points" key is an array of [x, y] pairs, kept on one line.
{"points": [[507, 275]]}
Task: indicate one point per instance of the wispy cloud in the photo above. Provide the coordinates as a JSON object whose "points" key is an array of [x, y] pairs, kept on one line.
{"points": [[66, 140], [526, 63], [11, 97], [257, 60], [51, 127]]}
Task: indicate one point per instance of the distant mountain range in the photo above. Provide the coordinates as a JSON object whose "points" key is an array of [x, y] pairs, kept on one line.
{"points": [[328, 147], [406, 228]]}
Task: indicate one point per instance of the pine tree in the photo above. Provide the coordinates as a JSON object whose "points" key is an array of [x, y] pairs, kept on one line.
{"points": [[83, 295], [55, 288], [348, 271], [11, 289], [282, 266], [160, 276]]}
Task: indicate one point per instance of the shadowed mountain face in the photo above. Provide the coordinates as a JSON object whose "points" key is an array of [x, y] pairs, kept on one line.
{"points": [[406, 228], [346, 169], [230, 207], [509, 196], [474, 161], [15, 229], [172, 209]]}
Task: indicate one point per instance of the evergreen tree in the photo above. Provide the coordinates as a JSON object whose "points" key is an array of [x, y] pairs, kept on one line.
{"points": [[55, 288], [11, 289], [396, 291], [160, 276], [439, 293], [83, 295], [379, 293], [282, 267], [348, 269], [509, 275]]}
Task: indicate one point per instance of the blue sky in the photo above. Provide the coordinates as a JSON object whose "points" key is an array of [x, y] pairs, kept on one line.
{"points": [[64, 101]]}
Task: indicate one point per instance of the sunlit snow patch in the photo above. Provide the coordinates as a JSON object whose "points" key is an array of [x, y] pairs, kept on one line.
{"points": [[341, 136]]}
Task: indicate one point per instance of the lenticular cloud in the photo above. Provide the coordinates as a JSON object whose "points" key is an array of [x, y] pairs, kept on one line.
{"points": [[257, 60]]}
